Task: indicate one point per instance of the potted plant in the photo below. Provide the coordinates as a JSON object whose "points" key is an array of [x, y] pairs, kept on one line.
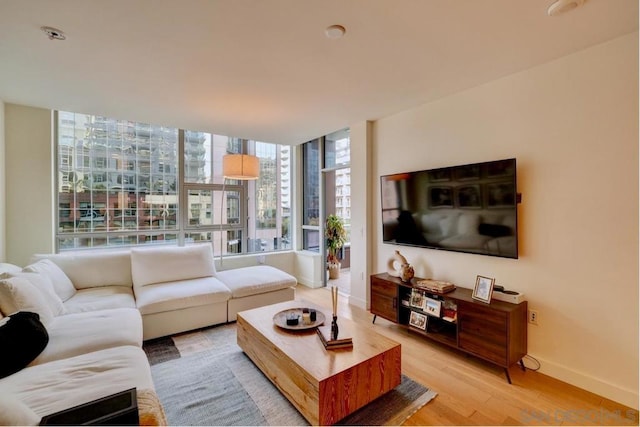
{"points": [[336, 235]]}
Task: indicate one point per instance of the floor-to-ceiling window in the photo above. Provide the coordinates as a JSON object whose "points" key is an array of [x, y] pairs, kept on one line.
{"points": [[117, 182], [311, 196], [326, 189], [127, 183], [337, 195]]}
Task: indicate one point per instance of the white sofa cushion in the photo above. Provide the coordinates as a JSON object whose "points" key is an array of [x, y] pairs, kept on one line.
{"points": [[102, 298], [254, 280], [61, 283], [18, 294], [94, 268], [80, 333], [62, 384], [180, 294], [167, 264], [13, 412], [44, 285]]}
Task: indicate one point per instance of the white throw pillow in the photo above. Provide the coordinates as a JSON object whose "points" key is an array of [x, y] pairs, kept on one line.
{"points": [[14, 412], [61, 283], [18, 294], [44, 285], [9, 268]]}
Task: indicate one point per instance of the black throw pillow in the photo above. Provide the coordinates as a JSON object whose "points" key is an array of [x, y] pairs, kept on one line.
{"points": [[22, 339]]}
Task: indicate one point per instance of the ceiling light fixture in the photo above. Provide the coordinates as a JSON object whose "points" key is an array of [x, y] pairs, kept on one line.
{"points": [[561, 6], [53, 33], [335, 31]]}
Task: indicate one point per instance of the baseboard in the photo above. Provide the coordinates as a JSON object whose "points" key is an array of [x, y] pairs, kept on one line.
{"points": [[595, 385], [309, 283], [360, 303]]}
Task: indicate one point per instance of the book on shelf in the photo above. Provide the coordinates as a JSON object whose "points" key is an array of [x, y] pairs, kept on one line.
{"points": [[324, 332], [436, 286]]}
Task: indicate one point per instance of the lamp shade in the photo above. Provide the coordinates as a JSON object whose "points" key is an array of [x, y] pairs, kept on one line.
{"points": [[240, 166]]}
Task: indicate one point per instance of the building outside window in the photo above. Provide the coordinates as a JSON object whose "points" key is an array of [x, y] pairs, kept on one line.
{"points": [[119, 183]]}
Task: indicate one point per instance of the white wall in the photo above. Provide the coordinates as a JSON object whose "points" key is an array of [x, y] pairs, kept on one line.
{"points": [[572, 124], [3, 211], [360, 138], [29, 195]]}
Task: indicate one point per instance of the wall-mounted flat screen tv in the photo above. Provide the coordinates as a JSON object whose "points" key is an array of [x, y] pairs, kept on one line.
{"points": [[470, 208]]}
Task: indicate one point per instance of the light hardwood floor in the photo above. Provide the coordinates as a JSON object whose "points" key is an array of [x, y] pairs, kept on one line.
{"points": [[473, 392]]}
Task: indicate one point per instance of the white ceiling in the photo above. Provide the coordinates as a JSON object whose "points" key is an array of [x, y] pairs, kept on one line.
{"points": [[264, 70]]}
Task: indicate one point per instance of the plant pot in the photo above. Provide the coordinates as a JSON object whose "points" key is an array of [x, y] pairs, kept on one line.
{"points": [[334, 271]]}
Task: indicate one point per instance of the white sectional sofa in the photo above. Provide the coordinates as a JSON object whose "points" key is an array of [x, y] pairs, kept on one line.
{"points": [[175, 289], [90, 354], [98, 307]]}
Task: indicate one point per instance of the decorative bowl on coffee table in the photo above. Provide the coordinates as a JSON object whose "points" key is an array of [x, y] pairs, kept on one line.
{"points": [[280, 319]]}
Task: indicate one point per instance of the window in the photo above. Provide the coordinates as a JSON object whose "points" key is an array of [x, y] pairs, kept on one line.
{"points": [[337, 150], [98, 206], [270, 226], [337, 157], [127, 185], [311, 183], [311, 196]]}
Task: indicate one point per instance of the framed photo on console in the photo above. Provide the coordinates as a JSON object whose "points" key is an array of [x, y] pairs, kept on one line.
{"points": [[483, 289], [432, 306], [418, 320], [417, 299]]}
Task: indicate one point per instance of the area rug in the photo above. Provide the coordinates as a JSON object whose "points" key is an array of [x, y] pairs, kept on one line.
{"points": [[204, 378]]}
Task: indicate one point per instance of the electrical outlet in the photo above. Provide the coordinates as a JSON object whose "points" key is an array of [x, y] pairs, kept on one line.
{"points": [[261, 259], [533, 317]]}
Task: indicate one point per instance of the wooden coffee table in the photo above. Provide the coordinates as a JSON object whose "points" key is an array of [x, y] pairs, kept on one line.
{"points": [[325, 386]]}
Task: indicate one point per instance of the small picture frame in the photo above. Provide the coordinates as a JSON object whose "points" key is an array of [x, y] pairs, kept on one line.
{"points": [[417, 299], [432, 306], [418, 320], [483, 289]]}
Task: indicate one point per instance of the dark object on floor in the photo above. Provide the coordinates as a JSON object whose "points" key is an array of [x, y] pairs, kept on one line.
{"points": [[116, 409]]}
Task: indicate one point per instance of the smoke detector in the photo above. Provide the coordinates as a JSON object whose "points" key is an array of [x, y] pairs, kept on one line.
{"points": [[53, 33], [561, 6], [335, 31]]}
